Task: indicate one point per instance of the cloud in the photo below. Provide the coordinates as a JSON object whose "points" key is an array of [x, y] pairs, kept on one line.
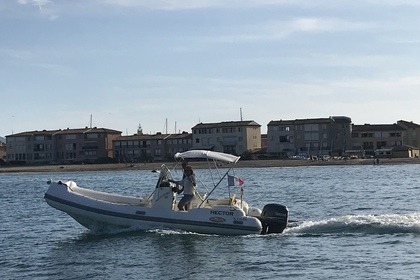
{"points": [[46, 7], [282, 29], [241, 4]]}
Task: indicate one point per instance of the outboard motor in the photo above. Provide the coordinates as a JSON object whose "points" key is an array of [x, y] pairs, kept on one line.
{"points": [[274, 218]]}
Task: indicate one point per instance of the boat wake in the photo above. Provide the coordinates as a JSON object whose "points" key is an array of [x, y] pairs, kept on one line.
{"points": [[360, 224]]}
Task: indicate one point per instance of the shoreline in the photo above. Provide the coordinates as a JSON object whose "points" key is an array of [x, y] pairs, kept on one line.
{"points": [[200, 165]]}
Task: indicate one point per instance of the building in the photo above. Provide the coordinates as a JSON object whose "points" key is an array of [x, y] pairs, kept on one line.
{"points": [[412, 133], [400, 139], [235, 137], [2, 152], [309, 137], [83, 145], [151, 147]]}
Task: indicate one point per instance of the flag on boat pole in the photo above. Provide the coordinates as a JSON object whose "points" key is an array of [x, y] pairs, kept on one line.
{"points": [[235, 181]]}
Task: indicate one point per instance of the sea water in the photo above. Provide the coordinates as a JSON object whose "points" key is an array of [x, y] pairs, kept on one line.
{"points": [[346, 222]]}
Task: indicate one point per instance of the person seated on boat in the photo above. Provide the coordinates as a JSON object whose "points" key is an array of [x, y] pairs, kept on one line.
{"points": [[188, 187]]}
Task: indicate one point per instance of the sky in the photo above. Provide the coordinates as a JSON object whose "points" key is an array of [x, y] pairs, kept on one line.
{"points": [[167, 65]]}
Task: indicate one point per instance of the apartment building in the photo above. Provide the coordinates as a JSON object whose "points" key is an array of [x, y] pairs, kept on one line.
{"points": [[234, 137], [61, 146], [150, 147], [2, 152], [308, 137], [400, 139], [412, 133]]}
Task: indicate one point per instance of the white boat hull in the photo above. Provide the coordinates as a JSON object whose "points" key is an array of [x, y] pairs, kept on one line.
{"points": [[100, 211], [97, 214]]}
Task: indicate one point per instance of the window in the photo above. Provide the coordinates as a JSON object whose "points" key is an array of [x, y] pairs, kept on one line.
{"points": [[380, 134], [367, 145], [91, 135], [228, 130], [311, 127], [39, 147], [283, 139], [39, 138], [311, 136], [395, 134], [367, 134], [229, 149], [71, 147]]}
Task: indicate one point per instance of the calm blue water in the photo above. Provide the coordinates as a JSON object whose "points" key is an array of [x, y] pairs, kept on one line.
{"points": [[348, 222]]}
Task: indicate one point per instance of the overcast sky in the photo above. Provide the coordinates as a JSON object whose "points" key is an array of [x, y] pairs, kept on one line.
{"points": [[131, 62]]}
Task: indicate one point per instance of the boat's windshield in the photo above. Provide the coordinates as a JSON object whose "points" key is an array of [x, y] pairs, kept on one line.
{"points": [[165, 173]]}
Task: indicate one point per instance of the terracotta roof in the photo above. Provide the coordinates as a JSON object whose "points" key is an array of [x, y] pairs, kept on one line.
{"points": [[310, 121], [227, 124], [157, 136], [408, 124], [34, 132], [67, 131], [377, 127], [88, 130]]}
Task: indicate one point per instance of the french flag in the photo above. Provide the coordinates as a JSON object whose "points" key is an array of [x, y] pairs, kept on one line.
{"points": [[235, 181]]}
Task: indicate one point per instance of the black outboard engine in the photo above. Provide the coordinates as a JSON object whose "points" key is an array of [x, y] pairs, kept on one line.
{"points": [[274, 218]]}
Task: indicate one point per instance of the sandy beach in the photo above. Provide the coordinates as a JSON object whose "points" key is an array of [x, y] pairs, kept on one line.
{"points": [[198, 165]]}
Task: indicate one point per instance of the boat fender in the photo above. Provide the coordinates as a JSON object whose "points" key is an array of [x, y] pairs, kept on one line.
{"points": [[254, 212]]}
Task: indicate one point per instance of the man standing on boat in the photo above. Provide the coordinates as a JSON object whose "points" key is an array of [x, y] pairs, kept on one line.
{"points": [[188, 187]]}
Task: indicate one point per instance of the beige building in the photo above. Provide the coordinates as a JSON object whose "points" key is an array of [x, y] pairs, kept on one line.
{"points": [[235, 137], [309, 137], [400, 139], [61, 146], [412, 133], [151, 147]]}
